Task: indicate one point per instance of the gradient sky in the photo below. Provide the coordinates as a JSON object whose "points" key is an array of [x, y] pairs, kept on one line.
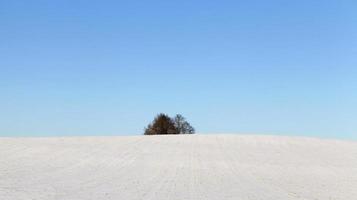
{"points": [[108, 67]]}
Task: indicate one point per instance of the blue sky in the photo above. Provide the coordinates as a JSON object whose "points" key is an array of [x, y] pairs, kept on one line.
{"points": [[108, 67]]}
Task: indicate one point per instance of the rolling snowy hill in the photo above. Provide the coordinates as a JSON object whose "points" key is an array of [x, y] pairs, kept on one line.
{"points": [[190, 167]]}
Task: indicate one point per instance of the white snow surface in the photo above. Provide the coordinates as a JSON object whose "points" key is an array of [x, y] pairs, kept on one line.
{"points": [[179, 167]]}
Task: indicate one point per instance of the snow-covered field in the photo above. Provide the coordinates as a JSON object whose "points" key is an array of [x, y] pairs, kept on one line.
{"points": [[180, 167]]}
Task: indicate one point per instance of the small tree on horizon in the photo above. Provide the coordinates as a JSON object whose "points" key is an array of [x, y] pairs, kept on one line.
{"points": [[182, 126], [163, 125]]}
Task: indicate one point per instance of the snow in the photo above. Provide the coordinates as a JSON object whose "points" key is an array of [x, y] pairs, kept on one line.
{"points": [[181, 167]]}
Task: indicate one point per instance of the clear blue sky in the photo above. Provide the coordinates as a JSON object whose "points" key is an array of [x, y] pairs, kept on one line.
{"points": [[107, 67]]}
